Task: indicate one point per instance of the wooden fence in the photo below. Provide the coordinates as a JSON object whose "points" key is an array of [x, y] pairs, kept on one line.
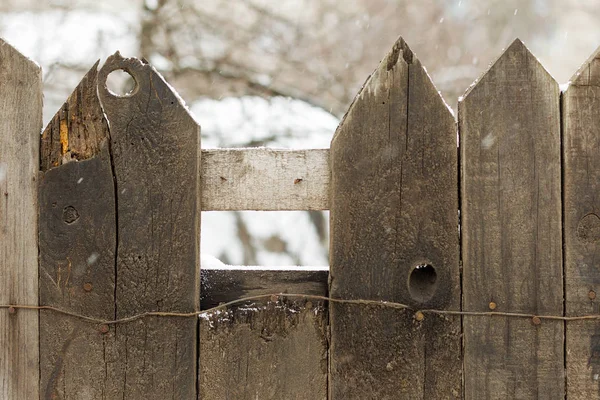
{"points": [[459, 268]]}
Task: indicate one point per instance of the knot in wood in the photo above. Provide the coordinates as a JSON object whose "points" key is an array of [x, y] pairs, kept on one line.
{"points": [[588, 229]]}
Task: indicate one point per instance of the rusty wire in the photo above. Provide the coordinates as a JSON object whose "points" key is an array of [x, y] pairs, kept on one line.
{"points": [[419, 313]]}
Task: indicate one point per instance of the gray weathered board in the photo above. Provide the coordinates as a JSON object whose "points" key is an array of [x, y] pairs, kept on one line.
{"points": [[581, 174], [511, 230], [267, 349], [20, 125], [119, 236], [394, 208], [265, 179]]}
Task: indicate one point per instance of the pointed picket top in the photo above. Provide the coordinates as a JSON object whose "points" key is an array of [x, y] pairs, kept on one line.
{"points": [[588, 74], [149, 85], [393, 203], [516, 51], [398, 60], [73, 134], [9, 51]]}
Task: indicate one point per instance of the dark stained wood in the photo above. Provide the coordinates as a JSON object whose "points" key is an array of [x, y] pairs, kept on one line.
{"points": [[225, 285], [77, 263], [264, 350], [155, 154], [393, 208], [511, 230], [77, 240], [20, 125], [581, 172]]}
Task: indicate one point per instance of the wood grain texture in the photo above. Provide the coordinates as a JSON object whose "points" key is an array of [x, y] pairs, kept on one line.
{"points": [[265, 179], [264, 350], [78, 129], [77, 239], [225, 285], [155, 155], [394, 207], [20, 125], [581, 174], [511, 230]]}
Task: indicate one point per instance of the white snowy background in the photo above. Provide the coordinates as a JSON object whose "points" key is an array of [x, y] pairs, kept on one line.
{"points": [[66, 37]]}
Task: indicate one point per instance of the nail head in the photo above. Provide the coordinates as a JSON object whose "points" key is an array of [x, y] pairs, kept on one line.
{"points": [[419, 316]]}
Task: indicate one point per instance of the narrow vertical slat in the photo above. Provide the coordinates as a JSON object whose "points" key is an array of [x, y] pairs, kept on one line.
{"points": [[155, 159], [581, 157], [394, 203], [20, 126], [77, 240], [511, 230]]}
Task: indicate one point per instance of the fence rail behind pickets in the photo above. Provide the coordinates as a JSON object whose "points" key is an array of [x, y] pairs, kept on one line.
{"points": [[447, 243]]}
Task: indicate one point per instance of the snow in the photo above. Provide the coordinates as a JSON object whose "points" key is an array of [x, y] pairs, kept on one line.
{"points": [[280, 121], [99, 33]]}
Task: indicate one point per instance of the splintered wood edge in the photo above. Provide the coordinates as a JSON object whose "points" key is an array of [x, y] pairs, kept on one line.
{"points": [[265, 179], [229, 283]]}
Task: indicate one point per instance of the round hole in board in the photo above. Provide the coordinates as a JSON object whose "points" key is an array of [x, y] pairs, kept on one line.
{"points": [[121, 83], [422, 283]]}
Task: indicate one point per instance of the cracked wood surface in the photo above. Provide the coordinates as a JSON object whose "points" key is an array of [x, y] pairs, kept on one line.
{"points": [[394, 207], [511, 230], [155, 155], [20, 125], [119, 236], [581, 173], [77, 250]]}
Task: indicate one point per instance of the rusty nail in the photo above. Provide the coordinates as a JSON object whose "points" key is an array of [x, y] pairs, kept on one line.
{"points": [[297, 180], [536, 320], [87, 287], [6, 193], [492, 305], [419, 316], [12, 310], [223, 179], [592, 295], [104, 328]]}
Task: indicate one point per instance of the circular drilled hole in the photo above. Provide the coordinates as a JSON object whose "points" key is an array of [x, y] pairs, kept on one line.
{"points": [[422, 282], [120, 83]]}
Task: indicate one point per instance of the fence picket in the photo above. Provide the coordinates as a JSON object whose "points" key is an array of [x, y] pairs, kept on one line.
{"points": [[155, 157], [581, 171], [511, 230], [77, 242], [20, 125], [393, 208]]}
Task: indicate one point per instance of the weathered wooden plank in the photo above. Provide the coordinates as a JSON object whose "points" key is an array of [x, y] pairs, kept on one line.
{"points": [[511, 230], [264, 350], [77, 239], [20, 125], [581, 174], [155, 157], [225, 285], [265, 179], [394, 228]]}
